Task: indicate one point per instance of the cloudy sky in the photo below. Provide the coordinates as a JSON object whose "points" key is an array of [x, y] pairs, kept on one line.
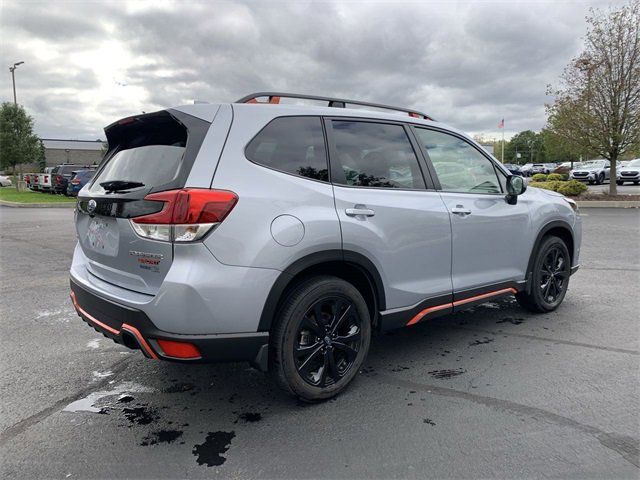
{"points": [[467, 63]]}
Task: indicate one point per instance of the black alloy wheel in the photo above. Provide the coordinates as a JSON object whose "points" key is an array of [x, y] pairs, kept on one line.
{"points": [[320, 338], [549, 277], [327, 341], [554, 275]]}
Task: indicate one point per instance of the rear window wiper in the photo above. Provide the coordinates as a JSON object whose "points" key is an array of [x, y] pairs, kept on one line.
{"points": [[119, 185]]}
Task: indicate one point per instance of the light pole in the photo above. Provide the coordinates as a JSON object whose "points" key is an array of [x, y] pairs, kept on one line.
{"points": [[13, 78]]}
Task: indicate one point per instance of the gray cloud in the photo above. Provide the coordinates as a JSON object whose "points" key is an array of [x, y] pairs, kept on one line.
{"points": [[466, 63]]}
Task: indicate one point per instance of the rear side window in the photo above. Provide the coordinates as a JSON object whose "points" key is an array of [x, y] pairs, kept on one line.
{"points": [[375, 155], [293, 145]]}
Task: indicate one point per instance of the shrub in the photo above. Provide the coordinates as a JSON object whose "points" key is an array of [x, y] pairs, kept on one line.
{"points": [[539, 177], [572, 188], [553, 186], [565, 176], [555, 177]]}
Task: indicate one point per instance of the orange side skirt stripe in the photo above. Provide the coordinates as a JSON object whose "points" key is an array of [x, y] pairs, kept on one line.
{"points": [[419, 316]]}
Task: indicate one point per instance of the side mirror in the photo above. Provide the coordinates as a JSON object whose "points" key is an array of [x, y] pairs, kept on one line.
{"points": [[515, 187]]}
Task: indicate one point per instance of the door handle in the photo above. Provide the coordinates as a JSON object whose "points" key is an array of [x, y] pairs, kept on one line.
{"points": [[359, 210], [460, 210]]}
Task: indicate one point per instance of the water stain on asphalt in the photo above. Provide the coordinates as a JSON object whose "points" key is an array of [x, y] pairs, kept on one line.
{"points": [[161, 436], [140, 415], [210, 452], [180, 387], [481, 342], [249, 417], [511, 320], [445, 374]]}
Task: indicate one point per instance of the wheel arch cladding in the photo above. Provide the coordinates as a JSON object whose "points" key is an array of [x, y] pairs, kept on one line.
{"points": [[559, 229], [349, 266]]}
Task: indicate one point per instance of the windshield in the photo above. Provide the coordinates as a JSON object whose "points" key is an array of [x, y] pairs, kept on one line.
{"points": [[596, 164]]}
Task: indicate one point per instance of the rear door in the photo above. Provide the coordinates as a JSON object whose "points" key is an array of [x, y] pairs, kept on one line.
{"points": [[387, 211], [150, 153], [490, 237]]}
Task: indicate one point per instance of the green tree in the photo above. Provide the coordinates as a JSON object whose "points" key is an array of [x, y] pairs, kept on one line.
{"points": [[18, 143], [530, 146], [42, 160], [558, 149], [597, 107]]}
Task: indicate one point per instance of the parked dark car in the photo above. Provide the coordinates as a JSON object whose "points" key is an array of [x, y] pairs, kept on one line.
{"points": [[61, 175], [514, 169], [78, 180]]}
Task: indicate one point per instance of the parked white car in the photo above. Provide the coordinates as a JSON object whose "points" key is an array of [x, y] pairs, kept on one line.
{"points": [[629, 173], [594, 171], [5, 181]]}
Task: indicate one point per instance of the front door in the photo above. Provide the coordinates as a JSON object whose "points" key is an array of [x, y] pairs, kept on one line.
{"points": [[490, 244]]}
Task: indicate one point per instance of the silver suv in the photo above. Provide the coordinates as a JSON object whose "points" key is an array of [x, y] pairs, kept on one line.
{"points": [[286, 234]]}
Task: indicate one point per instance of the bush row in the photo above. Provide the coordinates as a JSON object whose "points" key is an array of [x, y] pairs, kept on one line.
{"points": [[570, 188], [552, 177]]}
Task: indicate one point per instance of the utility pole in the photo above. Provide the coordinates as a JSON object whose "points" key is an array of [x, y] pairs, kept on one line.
{"points": [[13, 79]]}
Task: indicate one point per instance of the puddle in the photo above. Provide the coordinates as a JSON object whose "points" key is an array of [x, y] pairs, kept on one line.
{"points": [[161, 436], [444, 374], [87, 404], [210, 452], [99, 375]]}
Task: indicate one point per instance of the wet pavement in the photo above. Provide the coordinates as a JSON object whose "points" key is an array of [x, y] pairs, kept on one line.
{"points": [[493, 392]]}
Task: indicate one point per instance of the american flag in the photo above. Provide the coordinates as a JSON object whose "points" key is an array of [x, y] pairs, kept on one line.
{"points": [[501, 124]]}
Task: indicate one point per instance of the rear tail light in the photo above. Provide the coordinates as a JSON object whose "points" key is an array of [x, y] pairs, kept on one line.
{"points": [[75, 181], [58, 178], [187, 215], [46, 178]]}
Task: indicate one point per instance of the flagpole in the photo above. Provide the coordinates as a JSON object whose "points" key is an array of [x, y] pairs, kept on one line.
{"points": [[502, 141]]}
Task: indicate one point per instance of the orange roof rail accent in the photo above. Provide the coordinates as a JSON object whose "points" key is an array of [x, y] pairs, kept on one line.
{"points": [[274, 98]]}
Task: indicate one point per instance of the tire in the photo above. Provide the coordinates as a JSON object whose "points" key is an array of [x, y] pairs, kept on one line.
{"points": [[591, 182], [619, 182], [636, 183], [321, 369], [546, 292], [600, 179]]}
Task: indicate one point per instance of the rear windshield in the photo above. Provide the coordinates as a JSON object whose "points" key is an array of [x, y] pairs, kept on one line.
{"points": [[150, 165]]}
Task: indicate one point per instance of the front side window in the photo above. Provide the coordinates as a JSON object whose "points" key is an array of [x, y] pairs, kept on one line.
{"points": [[459, 166], [293, 145], [375, 155]]}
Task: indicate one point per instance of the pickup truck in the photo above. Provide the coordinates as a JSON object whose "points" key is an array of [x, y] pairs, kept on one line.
{"points": [[61, 175], [44, 180]]}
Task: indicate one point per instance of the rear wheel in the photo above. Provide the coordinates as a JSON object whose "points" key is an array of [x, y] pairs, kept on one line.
{"points": [[549, 277], [320, 338]]}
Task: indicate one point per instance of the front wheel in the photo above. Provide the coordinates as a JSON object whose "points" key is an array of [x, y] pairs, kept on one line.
{"points": [[320, 339], [600, 179], [619, 182], [550, 277]]}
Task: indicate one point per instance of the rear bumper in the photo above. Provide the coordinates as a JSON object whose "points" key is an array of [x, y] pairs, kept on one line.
{"points": [[132, 328]]}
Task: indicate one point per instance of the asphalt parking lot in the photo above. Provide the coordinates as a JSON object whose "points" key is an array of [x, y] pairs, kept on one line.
{"points": [[494, 392]]}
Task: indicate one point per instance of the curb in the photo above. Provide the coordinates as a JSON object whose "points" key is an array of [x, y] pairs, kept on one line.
{"points": [[609, 204], [37, 205]]}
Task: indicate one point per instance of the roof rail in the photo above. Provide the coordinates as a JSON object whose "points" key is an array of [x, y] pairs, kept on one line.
{"points": [[274, 97]]}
